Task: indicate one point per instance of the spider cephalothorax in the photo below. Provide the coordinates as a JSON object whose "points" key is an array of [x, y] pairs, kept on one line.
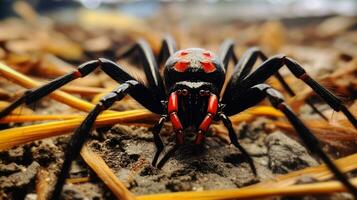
{"points": [[190, 97], [194, 64]]}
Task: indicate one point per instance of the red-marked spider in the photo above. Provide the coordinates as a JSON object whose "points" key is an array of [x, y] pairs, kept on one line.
{"points": [[189, 96]]}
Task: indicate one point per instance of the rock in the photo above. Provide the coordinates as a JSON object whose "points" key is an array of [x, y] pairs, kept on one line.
{"points": [[69, 192], [31, 196], [9, 169], [286, 154], [15, 185]]}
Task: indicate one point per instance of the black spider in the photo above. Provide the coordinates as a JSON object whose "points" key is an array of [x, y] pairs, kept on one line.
{"points": [[190, 96]]}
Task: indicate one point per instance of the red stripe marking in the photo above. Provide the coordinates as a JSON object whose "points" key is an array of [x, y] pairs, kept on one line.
{"points": [[77, 74], [208, 67], [183, 53], [181, 66], [207, 54]]}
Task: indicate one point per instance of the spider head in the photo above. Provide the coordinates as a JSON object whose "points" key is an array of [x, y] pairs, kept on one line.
{"points": [[194, 65]]}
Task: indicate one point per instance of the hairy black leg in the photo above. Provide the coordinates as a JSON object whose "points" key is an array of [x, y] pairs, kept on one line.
{"points": [[273, 64], [168, 48], [112, 69], [234, 139], [226, 53], [167, 156], [157, 139], [151, 69], [310, 141], [244, 68], [79, 137]]}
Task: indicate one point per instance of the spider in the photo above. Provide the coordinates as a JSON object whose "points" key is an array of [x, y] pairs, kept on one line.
{"points": [[189, 96]]}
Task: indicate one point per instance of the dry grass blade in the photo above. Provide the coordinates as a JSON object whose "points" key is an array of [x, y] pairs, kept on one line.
{"points": [[323, 130], [77, 180], [84, 90], [32, 118], [253, 193], [256, 111], [244, 116], [321, 172], [21, 135], [60, 96], [42, 184], [105, 173]]}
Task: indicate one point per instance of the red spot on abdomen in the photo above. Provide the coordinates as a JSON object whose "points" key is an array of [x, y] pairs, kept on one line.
{"points": [[207, 54], [181, 66], [208, 67], [183, 53]]}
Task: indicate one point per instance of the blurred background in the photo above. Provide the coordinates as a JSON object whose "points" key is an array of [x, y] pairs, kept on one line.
{"points": [[46, 39]]}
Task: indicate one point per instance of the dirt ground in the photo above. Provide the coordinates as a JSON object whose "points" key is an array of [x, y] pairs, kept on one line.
{"points": [[128, 150]]}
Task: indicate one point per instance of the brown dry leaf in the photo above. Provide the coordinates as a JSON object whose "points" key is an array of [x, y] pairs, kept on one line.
{"points": [[342, 82], [100, 43], [50, 66], [24, 9], [58, 44], [23, 63], [273, 36], [119, 21], [335, 26], [341, 138]]}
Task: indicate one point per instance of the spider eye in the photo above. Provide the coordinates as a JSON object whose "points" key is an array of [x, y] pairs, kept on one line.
{"points": [[181, 66], [202, 93], [208, 67], [184, 92]]}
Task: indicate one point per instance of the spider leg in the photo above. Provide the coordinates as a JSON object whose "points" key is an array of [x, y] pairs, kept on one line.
{"points": [[226, 53], [271, 66], [168, 155], [259, 92], [245, 66], [168, 48], [151, 69], [79, 137], [157, 139], [110, 68], [172, 106], [234, 139]]}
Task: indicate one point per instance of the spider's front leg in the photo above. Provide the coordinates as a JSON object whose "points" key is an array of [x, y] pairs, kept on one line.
{"points": [[79, 137], [172, 107]]}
